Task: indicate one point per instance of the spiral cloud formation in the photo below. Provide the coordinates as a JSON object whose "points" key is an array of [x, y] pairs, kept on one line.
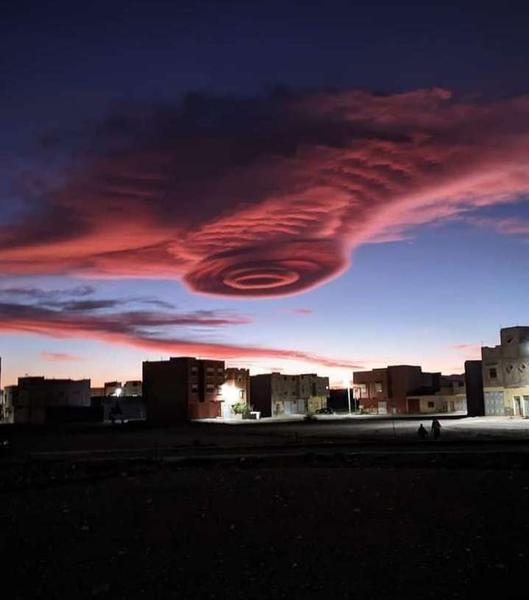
{"points": [[262, 196]]}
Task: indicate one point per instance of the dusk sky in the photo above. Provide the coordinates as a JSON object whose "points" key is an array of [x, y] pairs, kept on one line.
{"points": [[296, 186]]}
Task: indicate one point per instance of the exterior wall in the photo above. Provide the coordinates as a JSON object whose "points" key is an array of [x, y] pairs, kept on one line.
{"points": [[474, 388], [505, 372], [111, 388], [385, 390], [132, 388], [437, 403], [205, 388], [34, 396], [182, 388], [261, 393], [511, 402], [276, 395], [10, 400], [236, 390]]}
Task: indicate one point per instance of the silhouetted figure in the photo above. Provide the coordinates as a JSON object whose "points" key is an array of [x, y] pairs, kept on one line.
{"points": [[115, 411], [436, 429], [423, 434]]}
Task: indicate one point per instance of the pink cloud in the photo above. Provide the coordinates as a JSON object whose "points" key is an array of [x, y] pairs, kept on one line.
{"points": [[268, 196], [505, 226], [299, 311], [59, 356], [469, 351]]}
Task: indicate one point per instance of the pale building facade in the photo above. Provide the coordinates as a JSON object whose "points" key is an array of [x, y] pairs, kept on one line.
{"points": [[506, 374], [276, 395]]}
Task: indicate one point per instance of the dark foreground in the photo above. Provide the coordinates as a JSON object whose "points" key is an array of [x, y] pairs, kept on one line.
{"points": [[305, 527]]}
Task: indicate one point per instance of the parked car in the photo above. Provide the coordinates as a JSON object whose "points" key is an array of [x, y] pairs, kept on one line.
{"points": [[325, 411]]}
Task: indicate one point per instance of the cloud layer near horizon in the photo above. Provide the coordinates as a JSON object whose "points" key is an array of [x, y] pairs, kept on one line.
{"points": [[266, 196], [34, 311]]}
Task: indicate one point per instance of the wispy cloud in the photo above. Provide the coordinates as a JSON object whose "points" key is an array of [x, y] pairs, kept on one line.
{"points": [[59, 357], [149, 330], [299, 311], [469, 351], [505, 226]]}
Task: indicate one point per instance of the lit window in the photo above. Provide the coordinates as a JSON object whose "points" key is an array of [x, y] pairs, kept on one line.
{"points": [[378, 387]]}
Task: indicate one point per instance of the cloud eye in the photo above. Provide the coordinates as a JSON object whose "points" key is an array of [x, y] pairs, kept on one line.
{"points": [[269, 270]]}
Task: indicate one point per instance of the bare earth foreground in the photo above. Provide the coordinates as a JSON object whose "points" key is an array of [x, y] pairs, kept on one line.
{"points": [[405, 522]]}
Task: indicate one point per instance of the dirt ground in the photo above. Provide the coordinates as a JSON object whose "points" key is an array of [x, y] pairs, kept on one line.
{"points": [[265, 530]]}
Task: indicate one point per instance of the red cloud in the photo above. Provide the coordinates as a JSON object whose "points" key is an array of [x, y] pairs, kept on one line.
{"points": [[268, 196]]}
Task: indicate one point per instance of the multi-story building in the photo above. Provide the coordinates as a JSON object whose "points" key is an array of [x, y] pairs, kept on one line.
{"points": [[182, 388], [395, 388], [235, 391], [450, 397], [275, 394], [505, 370], [38, 400]]}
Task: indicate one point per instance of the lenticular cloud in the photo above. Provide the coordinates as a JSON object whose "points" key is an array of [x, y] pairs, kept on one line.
{"points": [[266, 196]]}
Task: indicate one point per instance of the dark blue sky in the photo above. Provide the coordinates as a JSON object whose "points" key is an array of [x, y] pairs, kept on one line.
{"points": [[153, 49]]}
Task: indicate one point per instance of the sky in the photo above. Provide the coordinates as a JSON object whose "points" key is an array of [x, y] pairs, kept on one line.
{"points": [[293, 186]]}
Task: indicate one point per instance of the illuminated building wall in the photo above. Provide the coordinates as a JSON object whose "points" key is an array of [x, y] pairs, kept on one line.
{"points": [[506, 374]]}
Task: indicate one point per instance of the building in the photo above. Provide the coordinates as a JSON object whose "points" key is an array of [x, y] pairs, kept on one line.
{"points": [[450, 397], [274, 394], [112, 388], [505, 371], [235, 391], [474, 388], [182, 388], [407, 389], [38, 400], [387, 390], [132, 388], [9, 401]]}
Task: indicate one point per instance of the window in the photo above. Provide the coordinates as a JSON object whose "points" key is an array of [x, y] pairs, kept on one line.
{"points": [[210, 370], [194, 388], [241, 394], [210, 389], [194, 370], [493, 373], [431, 404], [378, 387]]}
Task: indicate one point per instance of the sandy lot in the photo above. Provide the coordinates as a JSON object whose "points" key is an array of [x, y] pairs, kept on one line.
{"points": [[302, 529]]}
